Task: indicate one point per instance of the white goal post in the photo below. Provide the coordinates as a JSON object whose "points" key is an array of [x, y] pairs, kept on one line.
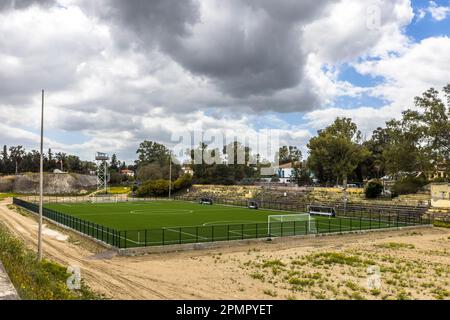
{"points": [[276, 223]]}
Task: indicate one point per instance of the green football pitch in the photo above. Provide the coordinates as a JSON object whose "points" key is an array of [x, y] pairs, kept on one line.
{"points": [[173, 222]]}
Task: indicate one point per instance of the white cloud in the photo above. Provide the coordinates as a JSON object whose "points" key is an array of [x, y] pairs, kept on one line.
{"points": [[438, 13], [117, 81]]}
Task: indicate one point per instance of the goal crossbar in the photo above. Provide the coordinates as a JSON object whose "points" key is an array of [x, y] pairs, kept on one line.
{"points": [[310, 222]]}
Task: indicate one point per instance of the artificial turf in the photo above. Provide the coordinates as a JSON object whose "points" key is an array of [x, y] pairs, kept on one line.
{"points": [[171, 222]]}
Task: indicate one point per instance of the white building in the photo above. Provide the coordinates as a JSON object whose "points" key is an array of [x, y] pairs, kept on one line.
{"points": [[127, 172], [285, 173]]}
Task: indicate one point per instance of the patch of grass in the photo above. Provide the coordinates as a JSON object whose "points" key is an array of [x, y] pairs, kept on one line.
{"points": [[257, 275], [395, 245], [329, 258], [403, 295], [273, 263], [441, 224], [270, 293], [375, 292], [295, 281], [3, 196], [119, 190], [35, 280], [440, 293]]}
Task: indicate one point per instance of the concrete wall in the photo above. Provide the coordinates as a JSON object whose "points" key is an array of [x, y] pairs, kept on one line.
{"points": [[440, 195]]}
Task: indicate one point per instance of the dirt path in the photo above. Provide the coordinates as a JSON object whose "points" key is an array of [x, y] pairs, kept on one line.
{"points": [[208, 274]]}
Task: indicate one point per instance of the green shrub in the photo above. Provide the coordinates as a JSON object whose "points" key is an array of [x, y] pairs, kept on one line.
{"points": [[185, 181], [407, 185], [373, 189], [153, 188]]}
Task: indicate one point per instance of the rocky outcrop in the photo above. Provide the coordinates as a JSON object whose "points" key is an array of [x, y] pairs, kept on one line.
{"points": [[54, 183]]}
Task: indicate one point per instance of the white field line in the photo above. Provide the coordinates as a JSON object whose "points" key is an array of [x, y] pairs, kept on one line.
{"points": [[186, 233]]}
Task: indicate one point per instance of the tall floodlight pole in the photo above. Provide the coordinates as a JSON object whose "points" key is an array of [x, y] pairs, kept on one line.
{"points": [[41, 182], [170, 174]]}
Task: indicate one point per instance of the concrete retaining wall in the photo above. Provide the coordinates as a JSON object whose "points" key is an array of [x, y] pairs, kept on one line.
{"points": [[7, 290]]}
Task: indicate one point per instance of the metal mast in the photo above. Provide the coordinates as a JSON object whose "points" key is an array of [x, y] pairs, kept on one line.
{"points": [[102, 171]]}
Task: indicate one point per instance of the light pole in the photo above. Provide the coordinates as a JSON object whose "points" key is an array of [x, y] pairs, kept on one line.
{"points": [[170, 174], [41, 182]]}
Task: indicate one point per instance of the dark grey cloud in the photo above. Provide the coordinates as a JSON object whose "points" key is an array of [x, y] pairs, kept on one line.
{"points": [[254, 50], [22, 4]]}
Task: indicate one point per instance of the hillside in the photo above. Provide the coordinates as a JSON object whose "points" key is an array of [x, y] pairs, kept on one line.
{"points": [[63, 183]]}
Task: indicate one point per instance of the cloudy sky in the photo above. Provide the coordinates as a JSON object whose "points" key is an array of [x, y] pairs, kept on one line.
{"points": [[118, 72]]}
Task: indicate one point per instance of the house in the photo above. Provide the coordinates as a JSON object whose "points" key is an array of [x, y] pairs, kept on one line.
{"points": [[186, 169], [285, 172], [127, 172], [440, 195]]}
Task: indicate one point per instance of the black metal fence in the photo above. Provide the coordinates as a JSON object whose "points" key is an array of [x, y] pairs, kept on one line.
{"points": [[342, 209], [228, 232], [96, 231]]}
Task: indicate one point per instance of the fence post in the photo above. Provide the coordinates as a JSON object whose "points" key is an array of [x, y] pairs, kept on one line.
{"points": [[228, 233], [256, 228], [180, 235], [125, 240], [242, 231], [145, 235], [196, 234], [163, 235], [329, 225], [340, 225], [212, 233]]}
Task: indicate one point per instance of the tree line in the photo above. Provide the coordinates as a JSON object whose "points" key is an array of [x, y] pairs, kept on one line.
{"points": [[406, 148], [16, 159], [413, 147]]}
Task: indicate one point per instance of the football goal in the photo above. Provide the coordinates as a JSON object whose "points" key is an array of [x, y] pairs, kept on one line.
{"points": [[291, 224], [104, 200]]}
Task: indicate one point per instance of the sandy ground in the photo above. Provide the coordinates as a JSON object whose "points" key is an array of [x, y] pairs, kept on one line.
{"points": [[414, 264]]}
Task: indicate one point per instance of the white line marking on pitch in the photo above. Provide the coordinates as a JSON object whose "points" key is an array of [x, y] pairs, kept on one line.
{"points": [[187, 233]]}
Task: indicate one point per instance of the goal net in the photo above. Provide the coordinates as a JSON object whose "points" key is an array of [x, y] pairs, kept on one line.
{"points": [[104, 200], [291, 224]]}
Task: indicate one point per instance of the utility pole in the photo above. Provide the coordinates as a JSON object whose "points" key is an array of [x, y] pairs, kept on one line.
{"points": [[41, 182], [170, 174]]}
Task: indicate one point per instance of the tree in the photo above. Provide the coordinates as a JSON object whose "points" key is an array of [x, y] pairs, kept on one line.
{"points": [[114, 164], [16, 154], [287, 154], [150, 152], [337, 149], [373, 189]]}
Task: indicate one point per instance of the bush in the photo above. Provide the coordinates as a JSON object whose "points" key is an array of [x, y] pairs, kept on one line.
{"points": [[153, 188], [407, 185], [185, 181], [373, 189]]}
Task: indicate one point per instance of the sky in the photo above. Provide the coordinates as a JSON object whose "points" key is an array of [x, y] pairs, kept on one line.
{"points": [[119, 72]]}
